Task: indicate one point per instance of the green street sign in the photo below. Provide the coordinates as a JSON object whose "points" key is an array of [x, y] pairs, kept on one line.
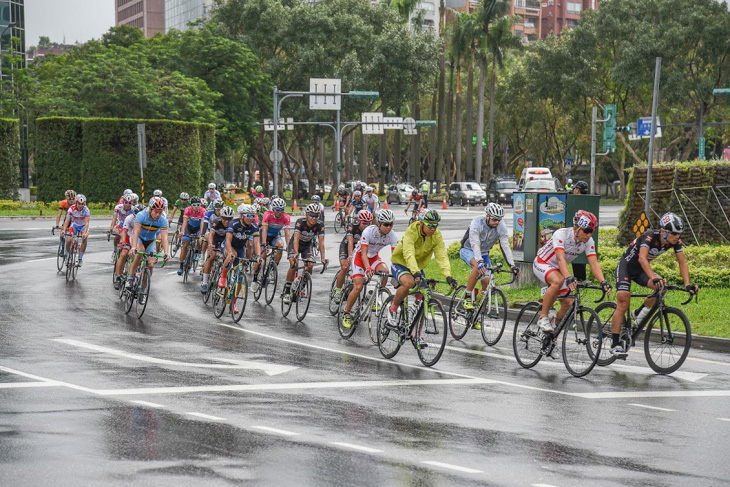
{"points": [[364, 95], [425, 123], [702, 149], [721, 92]]}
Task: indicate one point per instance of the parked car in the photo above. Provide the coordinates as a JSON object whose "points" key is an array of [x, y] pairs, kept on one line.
{"points": [[464, 193], [500, 190], [533, 173], [541, 186], [399, 193]]}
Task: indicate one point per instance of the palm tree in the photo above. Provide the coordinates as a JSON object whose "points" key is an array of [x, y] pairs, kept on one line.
{"points": [[460, 43]]}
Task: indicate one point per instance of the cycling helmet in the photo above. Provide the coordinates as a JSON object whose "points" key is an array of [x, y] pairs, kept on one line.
{"points": [[195, 201], [256, 207], [80, 199], [312, 208], [211, 186], [259, 188], [432, 216], [386, 216], [368, 189], [494, 210], [127, 199], [365, 216], [274, 196], [414, 193], [245, 209], [356, 194], [127, 192], [278, 204], [157, 192], [138, 208], [227, 212], [671, 223], [341, 187], [582, 186], [70, 194], [570, 181], [134, 198], [156, 203], [316, 197], [585, 220], [184, 196], [266, 202], [259, 201], [218, 204]]}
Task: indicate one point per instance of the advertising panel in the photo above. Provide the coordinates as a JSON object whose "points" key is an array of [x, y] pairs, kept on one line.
{"points": [[518, 226], [551, 216]]}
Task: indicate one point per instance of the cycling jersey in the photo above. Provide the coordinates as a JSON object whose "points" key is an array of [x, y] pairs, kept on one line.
{"points": [[343, 195], [64, 205], [480, 237], [122, 214], [414, 251], [241, 232], [419, 199], [564, 238], [195, 216], [371, 201], [181, 206], [652, 241], [149, 228], [357, 204], [306, 233], [78, 217], [255, 194], [128, 224], [210, 219], [354, 230], [211, 195], [375, 241], [275, 225], [219, 230]]}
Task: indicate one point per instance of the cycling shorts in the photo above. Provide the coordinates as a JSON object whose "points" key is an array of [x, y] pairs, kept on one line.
{"points": [[541, 271], [305, 251], [190, 231], [625, 274], [147, 245], [357, 269], [468, 254], [74, 229], [239, 251], [273, 240]]}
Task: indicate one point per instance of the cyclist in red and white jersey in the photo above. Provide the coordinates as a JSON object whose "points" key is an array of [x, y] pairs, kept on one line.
{"points": [[77, 222], [127, 229]]}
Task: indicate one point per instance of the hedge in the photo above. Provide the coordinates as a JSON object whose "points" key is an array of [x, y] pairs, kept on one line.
{"points": [[105, 158], [9, 158]]}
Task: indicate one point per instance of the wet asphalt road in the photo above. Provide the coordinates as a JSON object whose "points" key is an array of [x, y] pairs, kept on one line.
{"points": [[89, 396]]}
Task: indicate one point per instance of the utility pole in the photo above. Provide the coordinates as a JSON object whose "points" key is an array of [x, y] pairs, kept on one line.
{"points": [[654, 101]]}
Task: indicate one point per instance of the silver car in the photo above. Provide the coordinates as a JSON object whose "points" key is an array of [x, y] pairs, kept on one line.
{"points": [[399, 193], [463, 193]]}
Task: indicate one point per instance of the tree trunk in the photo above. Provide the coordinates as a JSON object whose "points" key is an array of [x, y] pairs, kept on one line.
{"points": [[440, 125], [363, 159], [480, 118], [416, 145], [491, 119], [397, 143], [432, 141], [469, 168], [449, 153], [457, 150]]}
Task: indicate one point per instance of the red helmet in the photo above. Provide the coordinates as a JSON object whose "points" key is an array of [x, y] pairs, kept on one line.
{"points": [[585, 220], [365, 216], [156, 204]]}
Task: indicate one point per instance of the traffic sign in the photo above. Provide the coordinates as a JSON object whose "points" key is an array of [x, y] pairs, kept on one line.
{"points": [[643, 127], [325, 102], [702, 149], [409, 126], [269, 125], [372, 123], [393, 123], [276, 155]]}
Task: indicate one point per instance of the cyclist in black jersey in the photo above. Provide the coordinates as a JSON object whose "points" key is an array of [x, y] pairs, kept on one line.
{"points": [[352, 236], [635, 266], [342, 196], [356, 204], [306, 230]]}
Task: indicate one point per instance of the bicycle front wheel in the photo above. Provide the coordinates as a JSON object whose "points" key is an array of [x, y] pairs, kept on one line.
{"points": [[379, 302], [493, 317], [260, 281], [527, 341], [667, 340], [346, 333], [60, 255], [458, 316], [605, 314], [187, 264], [143, 293], [271, 279], [431, 333], [338, 223], [212, 283], [220, 296], [390, 338], [69, 265], [304, 296], [286, 300], [334, 306], [240, 296], [130, 296], [582, 341]]}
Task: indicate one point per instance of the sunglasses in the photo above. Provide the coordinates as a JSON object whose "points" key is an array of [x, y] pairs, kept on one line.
{"points": [[196, 205], [249, 215], [313, 215], [432, 226], [588, 230], [388, 224], [495, 219]]}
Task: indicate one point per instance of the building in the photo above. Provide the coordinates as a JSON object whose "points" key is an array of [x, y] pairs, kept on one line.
{"points": [[179, 12], [12, 24], [559, 15], [148, 15]]}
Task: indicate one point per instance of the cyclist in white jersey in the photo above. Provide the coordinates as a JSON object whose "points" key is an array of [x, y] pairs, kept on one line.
{"points": [[551, 264]]}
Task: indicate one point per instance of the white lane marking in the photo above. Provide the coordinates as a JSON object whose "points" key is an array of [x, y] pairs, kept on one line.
{"points": [[276, 431], [285, 387], [653, 407], [44, 379], [651, 394], [706, 361], [452, 467], [206, 416], [23, 385], [724, 419], [543, 485], [150, 404], [269, 369], [357, 447]]}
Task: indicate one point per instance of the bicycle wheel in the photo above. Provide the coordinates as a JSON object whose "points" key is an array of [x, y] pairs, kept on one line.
{"points": [[187, 264], [212, 282], [582, 341], [389, 337], [75, 267], [346, 333], [605, 313], [431, 333], [271, 279], [333, 306], [130, 296], [260, 281], [667, 340], [339, 225], [304, 296], [380, 298], [69, 265], [220, 296], [174, 244], [315, 248], [61, 255], [286, 307], [240, 296], [494, 317], [143, 293], [526, 341], [458, 316]]}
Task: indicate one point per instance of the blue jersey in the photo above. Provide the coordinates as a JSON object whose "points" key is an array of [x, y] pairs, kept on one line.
{"points": [[241, 233], [149, 228]]}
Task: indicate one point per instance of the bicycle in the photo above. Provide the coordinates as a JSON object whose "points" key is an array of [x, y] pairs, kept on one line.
{"points": [[140, 290], [72, 257], [235, 293], [334, 306], [175, 240], [667, 340], [115, 254], [61, 252], [192, 257], [215, 274], [425, 329], [301, 290], [269, 275], [340, 220], [581, 335], [414, 217], [366, 303], [489, 315]]}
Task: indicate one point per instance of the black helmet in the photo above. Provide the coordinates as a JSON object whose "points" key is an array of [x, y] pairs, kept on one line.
{"points": [[671, 223], [414, 193], [582, 187]]}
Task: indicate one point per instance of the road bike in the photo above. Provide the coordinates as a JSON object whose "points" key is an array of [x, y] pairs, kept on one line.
{"points": [[300, 292], [192, 257], [668, 334], [215, 274], [115, 254], [139, 291], [235, 294], [72, 256], [175, 240], [340, 221], [334, 304], [61, 252], [414, 217], [268, 275], [582, 340], [368, 302], [424, 323], [490, 313]]}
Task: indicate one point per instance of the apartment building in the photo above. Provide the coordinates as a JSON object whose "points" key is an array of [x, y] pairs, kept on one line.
{"points": [[148, 15]]}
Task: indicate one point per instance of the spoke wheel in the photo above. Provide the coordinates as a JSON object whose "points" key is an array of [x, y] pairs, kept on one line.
{"points": [[493, 317], [526, 341], [240, 296], [667, 340], [333, 306], [271, 279], [372, 314], [187, 263], [582, 341], [220, 296], [605, 313], [458, 316], [304, 296], [389, 338], [285, 308], [175, 243], [338, 223], [431, 333], [75, 266], [69, 265], [354, 313], [130, 296], [212, 282], [260, 281], [61, 255], [143, 293]]}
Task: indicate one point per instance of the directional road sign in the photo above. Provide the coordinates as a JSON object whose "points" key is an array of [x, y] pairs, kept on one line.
{"points": [[325, 102], [643, 127]]}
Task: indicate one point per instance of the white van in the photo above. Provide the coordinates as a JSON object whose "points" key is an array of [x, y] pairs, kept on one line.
{"points": [[532, 173]]}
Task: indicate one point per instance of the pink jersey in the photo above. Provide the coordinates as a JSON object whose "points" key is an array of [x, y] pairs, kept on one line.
{"points": [[78, 217], [195, 216], [275, 225], [564, 239]]}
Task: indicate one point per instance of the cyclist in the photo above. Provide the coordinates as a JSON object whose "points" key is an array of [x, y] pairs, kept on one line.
{"points": [[238, 233], [317, 200], [305, 230], [211, 216], [419, 202], [126, 193], [212, 194], [273, 222], [215, 237], [180, 204], [365, 258], [371, 199], [635, 265], [414, 251], [121, 211], [127, 230], [579, 270], [158, 194], [77, 222], [355, 205], [483, 232], [149, 225], [551, 264], [258, 191], [351, 239], [64, 205], [342, 196], [192, 221]]}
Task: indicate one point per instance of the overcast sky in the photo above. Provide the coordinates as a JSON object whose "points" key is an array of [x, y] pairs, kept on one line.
{"points": [[74, 20]]}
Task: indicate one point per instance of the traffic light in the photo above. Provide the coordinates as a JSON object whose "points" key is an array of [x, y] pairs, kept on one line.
{"points": [[340, 166], [626, 129], [609, 128]]}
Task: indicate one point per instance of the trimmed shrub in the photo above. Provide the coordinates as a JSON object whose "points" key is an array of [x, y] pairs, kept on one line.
{"points": [[9, 158], [57, 156], [207, 153]]}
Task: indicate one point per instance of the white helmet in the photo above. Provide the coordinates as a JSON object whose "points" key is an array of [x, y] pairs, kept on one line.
{"points": [[227, 212], [356, 193], [368, 189], [184, 196], [386, 216], [133, 198], [157, 192], [256, 207], [278, 204], [494, 210], [312, 208], [127, 192], [211, 186]]}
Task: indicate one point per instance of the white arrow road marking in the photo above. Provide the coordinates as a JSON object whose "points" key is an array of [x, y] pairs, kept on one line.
{"points": [[21, 385], [357, 447], [452, 467], [653, 407], [269, 369]]}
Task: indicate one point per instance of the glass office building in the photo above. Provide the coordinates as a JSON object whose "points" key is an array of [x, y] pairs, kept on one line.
{"points": [[12, 24], [179, 12]]}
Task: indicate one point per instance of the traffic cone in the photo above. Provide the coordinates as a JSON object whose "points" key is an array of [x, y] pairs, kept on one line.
{"points": [[467, 206], [385, 204], [294, 207], [444, 206], [337, 205]]}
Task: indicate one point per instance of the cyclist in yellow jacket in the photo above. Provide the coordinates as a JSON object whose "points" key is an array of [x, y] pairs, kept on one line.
{"points": [[420, 242]]}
